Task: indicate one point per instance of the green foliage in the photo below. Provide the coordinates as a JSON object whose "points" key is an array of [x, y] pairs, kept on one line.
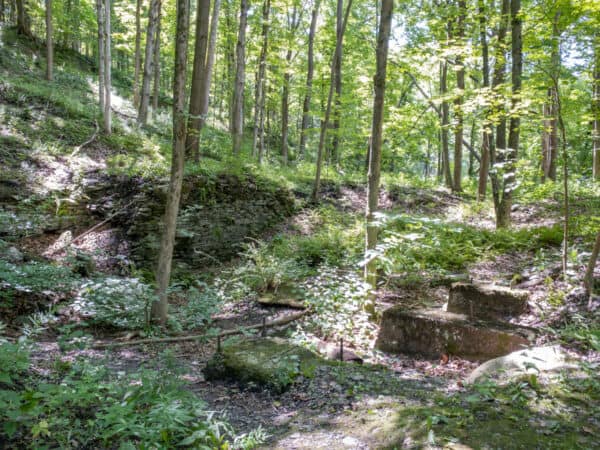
{"points": [[411, 244], [89, 407], [35, 278], [116, 302], [201, 303], [582, 331], [338, 299]]}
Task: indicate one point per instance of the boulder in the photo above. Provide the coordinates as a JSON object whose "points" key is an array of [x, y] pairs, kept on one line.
{"points": [[13, 255], [285, 295], [523, 362], [435, 332], [271, 362], [487, 301]]}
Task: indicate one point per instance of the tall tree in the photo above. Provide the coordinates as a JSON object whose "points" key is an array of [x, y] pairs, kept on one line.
{"points": [[383, 36], [509, 179], [49, 41], [148, 62], [192, 142], [498, 148], [445, 119], [458, 108], [309, 78], [487, 136], [596, 110], [293, 23], [237, 108], [163, 273], [156, 88], [107, 69], [23, 20], [138, 53], [101, 48], [550, 132], [260, 82], [325, 122]]}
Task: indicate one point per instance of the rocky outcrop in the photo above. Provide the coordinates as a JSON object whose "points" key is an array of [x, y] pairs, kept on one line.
{"points": [[487, 301], [271, 362], [435, 332], [537, 360]]}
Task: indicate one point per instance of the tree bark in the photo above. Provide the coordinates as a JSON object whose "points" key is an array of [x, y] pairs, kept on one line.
{"points": [[458, 112], [596, 111], [156, 89], [163, 273], [487, 134], [293, 23], [309, 78], [445, 118], [325, 122], [101, 47], [49, 42], [237, 130], [550, 132], [23, 21], [333, 154], [374, 173], [260, 81], [588, 278], [509, 179], [498, 148], [148, 62], [138, 54], [107, 69], [192, 143]]}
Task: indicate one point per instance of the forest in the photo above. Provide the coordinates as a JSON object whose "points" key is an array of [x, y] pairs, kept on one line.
{"points": [[299, 224]]}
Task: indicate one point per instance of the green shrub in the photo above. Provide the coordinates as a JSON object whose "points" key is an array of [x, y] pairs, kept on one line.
{"points": [[87, 407], [201, 304], [116, 302]]}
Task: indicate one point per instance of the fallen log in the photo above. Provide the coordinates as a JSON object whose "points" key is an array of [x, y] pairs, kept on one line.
{"points": [[266, 324]]}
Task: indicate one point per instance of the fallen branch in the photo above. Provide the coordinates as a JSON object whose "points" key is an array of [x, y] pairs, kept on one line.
{"points": [[268, 324], [89, 141], [121, 113], [85, 233]]}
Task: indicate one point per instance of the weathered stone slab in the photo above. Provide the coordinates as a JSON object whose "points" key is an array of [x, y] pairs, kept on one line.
{"points": [[433, 332], [284, 296], [537, 360], [268, 361], [487, 301]]}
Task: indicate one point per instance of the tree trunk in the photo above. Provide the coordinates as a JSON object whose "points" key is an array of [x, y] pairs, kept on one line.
{"points": [[138, 53], [285, 109], [309, 78], [498, 148], [293, 23], [458, 112], [509, 179], [237, 130], [445, 116], [107, 69], [101, 60], [596, 111], [376, 141], [192, 142], [163, 272], [325, 122], [49, 43], [550, 132], [23, 21], [487, 134], [338, 98], [230, 57], [148, 62], [156, 90], [260, 80], [588, 278]]}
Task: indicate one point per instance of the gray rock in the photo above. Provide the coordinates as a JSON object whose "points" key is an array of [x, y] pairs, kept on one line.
{"points": [[13, 255], [435, 332], [529, 361], [272, 362], [487, 301]]}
